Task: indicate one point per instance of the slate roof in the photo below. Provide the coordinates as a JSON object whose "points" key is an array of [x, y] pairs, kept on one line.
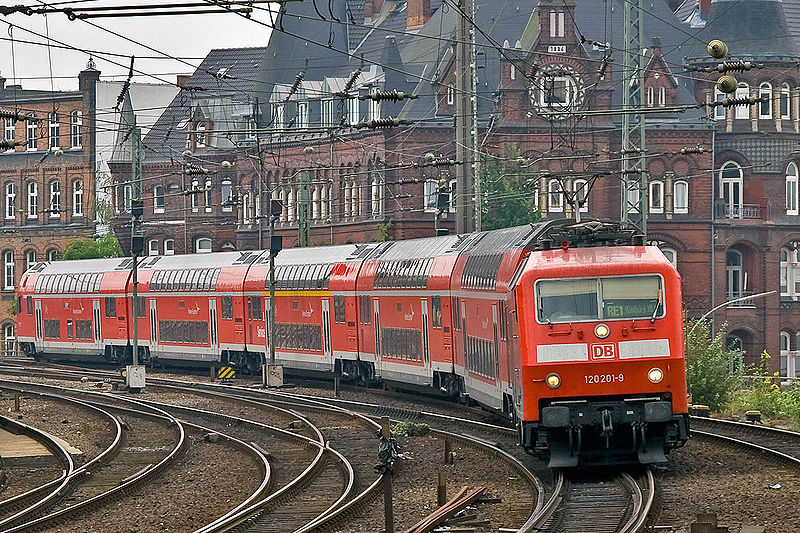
{"points": [[751, 29]]}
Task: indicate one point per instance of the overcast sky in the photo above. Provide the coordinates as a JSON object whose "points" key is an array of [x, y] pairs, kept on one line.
{"points": [[186, 36]]}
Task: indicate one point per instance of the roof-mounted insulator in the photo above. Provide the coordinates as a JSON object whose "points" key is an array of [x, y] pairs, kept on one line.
{"points": [[696, 150], [195, 170], [387, 122], [393, 96]]}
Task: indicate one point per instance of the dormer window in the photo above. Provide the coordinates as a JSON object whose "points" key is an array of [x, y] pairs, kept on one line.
{"points": [[302, 115], [662, 96]]}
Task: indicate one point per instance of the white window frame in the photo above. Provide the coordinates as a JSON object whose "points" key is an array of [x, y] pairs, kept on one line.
{"points": [[633, 196], [195, 199], [790, 273], [247, 212], [785, 102], [207, 194], [30, 258], [153, 250], [77, 198], [553, 25], [765, 107], [226, 199], [76, 121], [719, 111], [353, 113], [651, 98], [32, 136], [199, 245], [9, 340], [55, 199], [277, 116], [512, 72], [791, 189], [327, 112], [8, 270], [680, 209], [430, 191], [549, 87], [52, 254], [742, 112], [732, 292], [54, 139], [10, 207], [555, 196], [374, 106], [158, 198], [671, 254], [662, 96], [33, 200], [451, 95], [169, 246], [127, 197], [452, 200], [734, 208], [580, 190], [9, 132], [200, 135], [302, 115], [656, 197]]}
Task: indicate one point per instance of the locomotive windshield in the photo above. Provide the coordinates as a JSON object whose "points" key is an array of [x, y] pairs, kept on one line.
{"points": [[602, 298]]}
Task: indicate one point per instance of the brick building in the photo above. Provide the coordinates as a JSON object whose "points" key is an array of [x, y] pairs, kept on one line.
{"points": [[47, 180], [726, 215]]}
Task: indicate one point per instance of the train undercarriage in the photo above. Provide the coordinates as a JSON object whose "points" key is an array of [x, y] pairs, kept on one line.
{"points": [[605, 431]]}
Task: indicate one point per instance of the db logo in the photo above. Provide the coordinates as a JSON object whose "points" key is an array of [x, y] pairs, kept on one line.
{"points": [[602, 351]]}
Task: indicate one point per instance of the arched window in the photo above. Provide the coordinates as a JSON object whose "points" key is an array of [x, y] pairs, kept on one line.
{"points": [[55, 199], [195, 194], [52, 254], [731, 189], [790, 271], [9, 340], [765, 101], [791, 189], [786, 355], [127, 195], [650, 96], [671, 254], [33, 199], [30, 258], [11, 200], [680, 197], [9, 133], [581, 189], [246, 208], [203, 245], [290, 205], [208, 196], [169, 247], [733, 268], [227, 205], [76, 121], [431, 187], [55, 131], [158, 199], [742, 111], [77, 198], [555, 199], [786, 102], [152, 247], [656, 196], [8, 270], [662, 96]]}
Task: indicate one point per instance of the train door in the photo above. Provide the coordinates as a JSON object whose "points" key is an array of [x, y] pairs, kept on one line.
{"points": [[463, 317], [426, 356], [153, 328], [38, 324], [98, 334], [496, 350], [377, 322], [326, 330], [212, 327]]}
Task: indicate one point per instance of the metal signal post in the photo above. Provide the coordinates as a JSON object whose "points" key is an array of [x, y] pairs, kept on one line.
{"points": [[135, 373]]}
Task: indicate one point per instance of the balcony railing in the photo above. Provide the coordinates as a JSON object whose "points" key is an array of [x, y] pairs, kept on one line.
{"points": [[747, 302], [738, 211]]}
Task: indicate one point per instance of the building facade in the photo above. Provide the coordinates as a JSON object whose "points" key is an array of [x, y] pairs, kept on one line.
{"points": [[47, 180]]}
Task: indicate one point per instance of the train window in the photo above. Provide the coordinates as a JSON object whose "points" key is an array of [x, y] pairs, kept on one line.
{"points": [[70, 332], [456, 314], [52, 329], [631, 297], [364, 309], [254, 307], [501, 311], [111, 307], [29, 304], [83, 329], [338, 309], [567, 300], [436, 311], [399, 308], [227, 307], [295, 304], [140, 307]]}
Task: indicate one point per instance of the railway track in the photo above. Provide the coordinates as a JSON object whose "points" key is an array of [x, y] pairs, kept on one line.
{"points": [[781, 444], [623, 508]]}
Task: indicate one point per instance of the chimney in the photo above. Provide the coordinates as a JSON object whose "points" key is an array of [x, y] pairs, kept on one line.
{"points": [[417, 13], [655, 46], [182, 80], [705, 6]]}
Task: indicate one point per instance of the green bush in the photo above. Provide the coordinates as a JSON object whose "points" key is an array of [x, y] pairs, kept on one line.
{"points": [[765, 394], [713, 371], [410, 429]]}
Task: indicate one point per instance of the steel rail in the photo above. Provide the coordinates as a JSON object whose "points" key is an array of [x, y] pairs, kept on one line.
{"points": [[76, 475]]}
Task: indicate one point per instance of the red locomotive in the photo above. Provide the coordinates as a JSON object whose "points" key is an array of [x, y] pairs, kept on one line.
{"points": [[574, 330]]}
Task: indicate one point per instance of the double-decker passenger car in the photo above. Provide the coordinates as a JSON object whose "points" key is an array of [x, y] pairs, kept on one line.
{"points": [[571, 329]]}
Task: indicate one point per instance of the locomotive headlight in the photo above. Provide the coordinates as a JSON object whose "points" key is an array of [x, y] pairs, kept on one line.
{"points": [[553, 381], [655, 375], [601, 331]]}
